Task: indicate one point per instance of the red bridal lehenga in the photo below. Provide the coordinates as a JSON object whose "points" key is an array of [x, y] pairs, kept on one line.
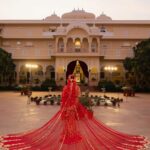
{"points": [[72, 129]]}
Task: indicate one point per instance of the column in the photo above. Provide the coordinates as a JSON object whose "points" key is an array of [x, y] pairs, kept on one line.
{"points": [[56, 45], [90, 43], [98, 48], [65, 44], [44, 71]]}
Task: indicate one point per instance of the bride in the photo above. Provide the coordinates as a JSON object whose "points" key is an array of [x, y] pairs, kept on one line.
{"points": [[71, 129]]}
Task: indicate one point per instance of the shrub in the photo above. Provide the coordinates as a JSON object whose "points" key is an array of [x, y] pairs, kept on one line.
{"points": [[48, 83], [36, 88], [7, 88], [108, 85]]}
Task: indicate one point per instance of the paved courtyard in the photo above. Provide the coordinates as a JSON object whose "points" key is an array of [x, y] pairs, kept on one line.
{"points": [[132, 117]]}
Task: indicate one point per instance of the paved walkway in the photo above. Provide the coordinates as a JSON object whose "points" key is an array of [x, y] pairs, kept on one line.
{"points": [[16, 116]]}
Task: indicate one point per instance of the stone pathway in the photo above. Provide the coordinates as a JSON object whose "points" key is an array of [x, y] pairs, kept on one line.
{"points": [[132, 117]]}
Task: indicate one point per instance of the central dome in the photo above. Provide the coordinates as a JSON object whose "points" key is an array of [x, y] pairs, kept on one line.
{"points": [[78, 14]]}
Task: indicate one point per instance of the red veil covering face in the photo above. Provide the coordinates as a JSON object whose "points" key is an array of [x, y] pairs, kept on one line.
{"points": [[71, 129]]}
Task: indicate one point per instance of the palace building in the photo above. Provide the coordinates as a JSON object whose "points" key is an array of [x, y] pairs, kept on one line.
{"points": [[93, 48]]}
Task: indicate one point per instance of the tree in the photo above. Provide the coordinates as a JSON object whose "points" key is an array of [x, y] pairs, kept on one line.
{"points": [[7, 67], [128, 65], [139, 65]]}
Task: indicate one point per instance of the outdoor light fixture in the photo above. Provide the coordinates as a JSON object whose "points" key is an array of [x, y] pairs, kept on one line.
{"points": [[110, 68], [31, 66]]}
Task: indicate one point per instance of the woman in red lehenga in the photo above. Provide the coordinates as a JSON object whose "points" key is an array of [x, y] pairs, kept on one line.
{"points": [[72, 129]]}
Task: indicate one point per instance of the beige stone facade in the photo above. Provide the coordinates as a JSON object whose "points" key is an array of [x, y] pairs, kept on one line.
{"points": [[78, 36]]}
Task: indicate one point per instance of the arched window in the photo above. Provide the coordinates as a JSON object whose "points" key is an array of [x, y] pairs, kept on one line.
{"points": [[77, 45], [85, 45], [102, 29], [70, 45], [60, 45], [50, 72], [94, 45]]}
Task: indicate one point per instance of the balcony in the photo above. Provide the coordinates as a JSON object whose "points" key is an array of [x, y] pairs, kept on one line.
{"points": [[75, 53]]}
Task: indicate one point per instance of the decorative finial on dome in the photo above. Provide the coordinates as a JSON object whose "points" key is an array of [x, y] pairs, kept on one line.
{"points": [[53, 16]]}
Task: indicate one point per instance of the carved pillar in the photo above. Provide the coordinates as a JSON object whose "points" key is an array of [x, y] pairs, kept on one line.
{"points": [[44, 71], [98, 47], [65, 44], [56, 45], [90, 43]]}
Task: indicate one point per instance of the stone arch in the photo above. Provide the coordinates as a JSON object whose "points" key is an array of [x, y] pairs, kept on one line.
{"points": [[70, 45], [27, 75], [24, 75], [84, 69], [94, 45], [77, 26], [77, 44], [37, 75], [50, 72], [85, 45], [60, 45]]}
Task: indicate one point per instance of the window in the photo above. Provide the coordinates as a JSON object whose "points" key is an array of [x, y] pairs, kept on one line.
{"points": [[118, 52], [93, 47], [52, 30], [61, 47], [77, 44], [102, 29], [37, 52], [29, 44], [6, 44], [23, 52]]}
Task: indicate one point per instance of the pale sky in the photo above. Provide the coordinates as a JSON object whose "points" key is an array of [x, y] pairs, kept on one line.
{"points": [[39, 9]]}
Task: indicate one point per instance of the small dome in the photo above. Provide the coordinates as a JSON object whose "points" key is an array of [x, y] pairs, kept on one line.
{"points": [[78, 14], [52, 17], [103, 17]]}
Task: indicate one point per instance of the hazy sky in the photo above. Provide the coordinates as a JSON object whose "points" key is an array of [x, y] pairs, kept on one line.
{"points": [[39, 9]]}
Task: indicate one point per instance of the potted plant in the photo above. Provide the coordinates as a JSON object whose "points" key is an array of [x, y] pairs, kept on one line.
{"points": [[87, 103]]}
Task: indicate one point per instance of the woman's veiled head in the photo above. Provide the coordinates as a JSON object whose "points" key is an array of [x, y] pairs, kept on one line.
{"points": [[71, 78]]}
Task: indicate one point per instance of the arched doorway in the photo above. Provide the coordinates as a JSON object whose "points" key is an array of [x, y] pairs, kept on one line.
{"points": [[79, 69]]}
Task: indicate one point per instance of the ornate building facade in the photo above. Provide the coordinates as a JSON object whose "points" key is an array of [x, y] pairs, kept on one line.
{"points": [[78, 42]]}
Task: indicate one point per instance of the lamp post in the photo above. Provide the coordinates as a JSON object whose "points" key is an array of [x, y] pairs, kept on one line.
{"points": [[110, 69], [30, 67]]}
